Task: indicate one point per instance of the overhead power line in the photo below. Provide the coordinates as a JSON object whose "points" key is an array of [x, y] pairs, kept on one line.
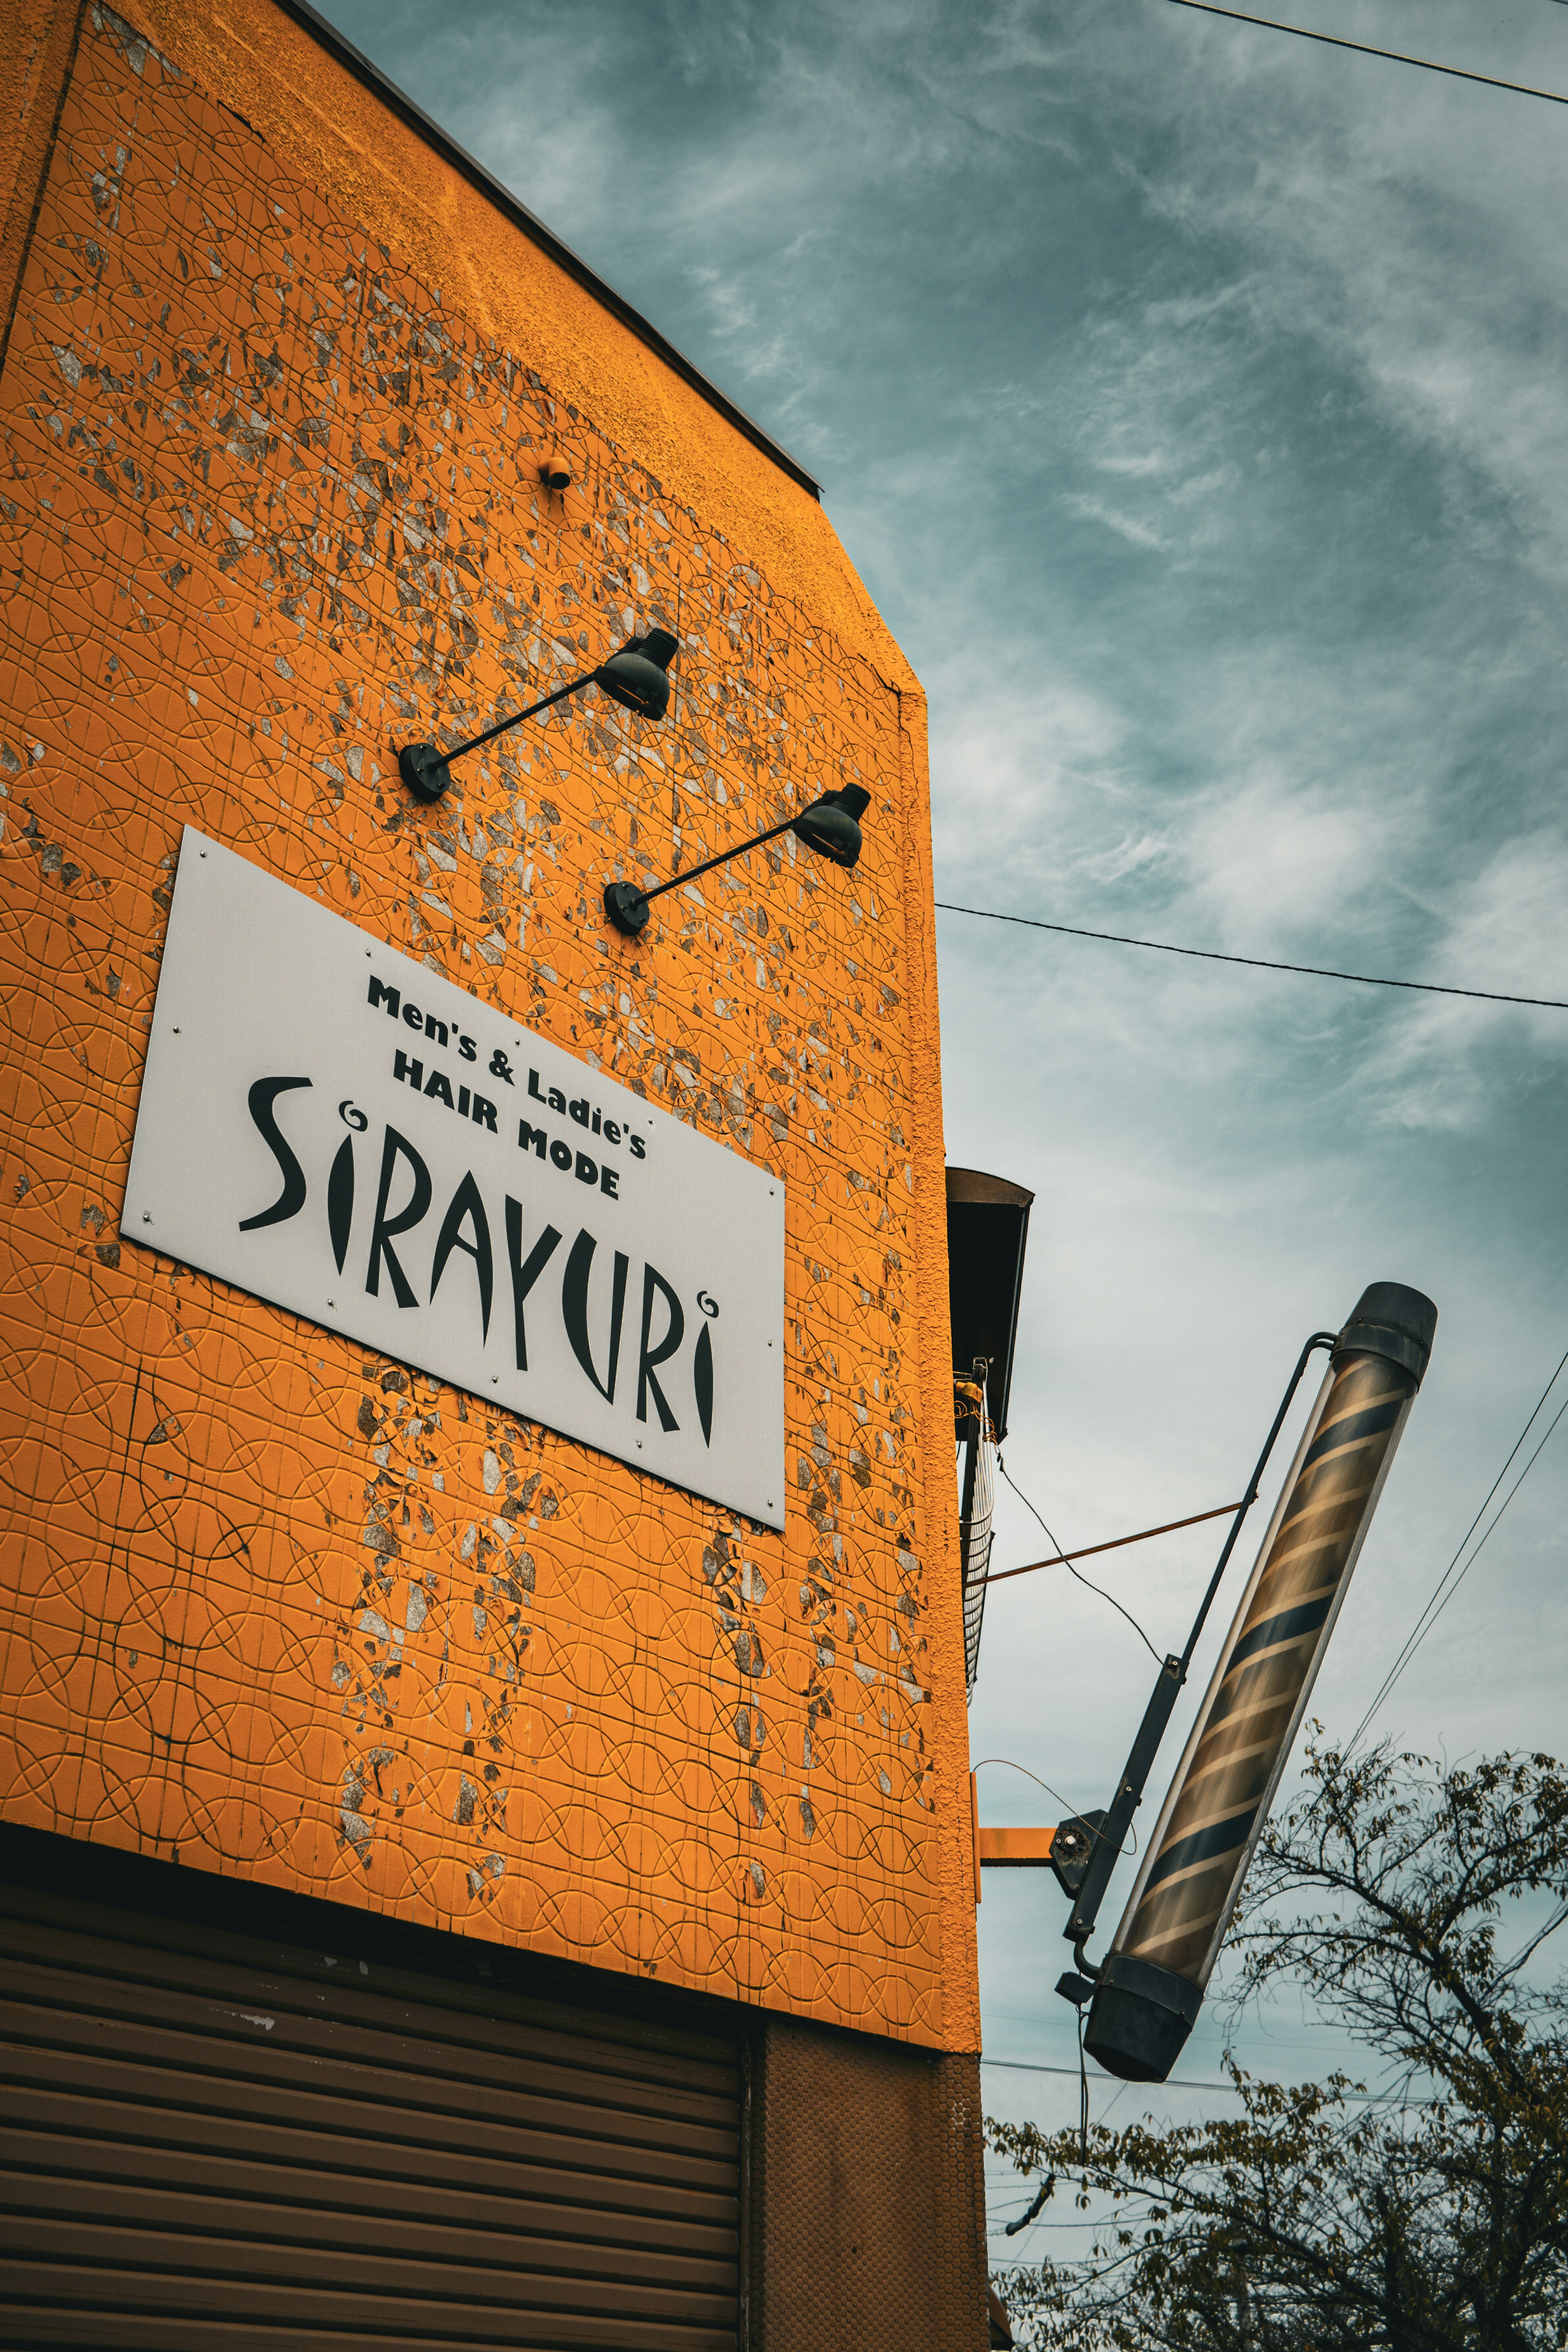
{"points": [[1441, 1597], [1180, 2083], [1501, 1508], [1021, 2066], [1395, 56], [1257, 963]]}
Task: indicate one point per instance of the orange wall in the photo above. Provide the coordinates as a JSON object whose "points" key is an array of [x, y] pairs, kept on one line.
{"points": [[273, 505]]}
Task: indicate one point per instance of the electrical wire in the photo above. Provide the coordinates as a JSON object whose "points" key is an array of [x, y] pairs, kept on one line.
{"points": [[1020, 2066], [1408, 1649], [1066, 1805], [1181, 2083], [992, 2234], [1502, 1507], [1512, 1968], [1440, 1600], [1255, 963], [1067, 1563], [1395, 56], [1105, 2111]]}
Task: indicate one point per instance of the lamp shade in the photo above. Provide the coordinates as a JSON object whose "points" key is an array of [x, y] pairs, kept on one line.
{"points": [[987, 1231], [638, 674], [831, 825]]}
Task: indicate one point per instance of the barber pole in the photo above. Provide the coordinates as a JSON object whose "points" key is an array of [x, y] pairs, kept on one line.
{"points": [[1151, 1983]]}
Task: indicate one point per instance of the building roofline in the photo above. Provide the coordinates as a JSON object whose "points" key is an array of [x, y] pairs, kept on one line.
{"points": [[532, 227]]}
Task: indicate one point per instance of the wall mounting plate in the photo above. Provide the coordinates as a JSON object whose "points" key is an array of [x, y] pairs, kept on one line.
{"points": [[1072, 1850]]}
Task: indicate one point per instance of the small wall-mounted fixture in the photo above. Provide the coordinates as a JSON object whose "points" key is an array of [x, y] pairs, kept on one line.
{"points": [[988, 1229], [637, 676], [555, 473], [831, 827]]}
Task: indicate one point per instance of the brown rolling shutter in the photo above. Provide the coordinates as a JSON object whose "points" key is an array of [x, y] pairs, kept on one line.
{"points": [[219, 2142]]}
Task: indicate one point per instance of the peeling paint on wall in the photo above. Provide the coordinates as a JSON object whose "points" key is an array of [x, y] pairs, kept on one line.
{"points": [[277, 1607]]}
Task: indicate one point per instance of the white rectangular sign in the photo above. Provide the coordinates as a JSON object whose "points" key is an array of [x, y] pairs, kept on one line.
{"points": [[334, 1128]]}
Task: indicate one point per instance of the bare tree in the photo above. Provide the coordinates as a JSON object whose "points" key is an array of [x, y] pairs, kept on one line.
{"points": [[1433, 2218]]}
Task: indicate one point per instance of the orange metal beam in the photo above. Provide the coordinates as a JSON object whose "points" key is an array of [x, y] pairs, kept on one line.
{"points": [[1015, 1849]]}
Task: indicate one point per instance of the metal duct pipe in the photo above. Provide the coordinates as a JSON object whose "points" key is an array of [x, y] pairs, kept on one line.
{"points": [[1151, 1984]]}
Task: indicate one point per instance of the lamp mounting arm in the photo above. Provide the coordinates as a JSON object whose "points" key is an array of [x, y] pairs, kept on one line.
{"points": [[636, 677], [830, 826], [624, 900], [572, 686], [1100, 1837]]}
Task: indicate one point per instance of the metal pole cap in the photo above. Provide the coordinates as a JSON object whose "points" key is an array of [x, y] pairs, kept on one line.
{"points": [[1391, 1319]]}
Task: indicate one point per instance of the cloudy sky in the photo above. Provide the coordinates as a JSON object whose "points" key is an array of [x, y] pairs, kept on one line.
{"points": [[1192, 400]]}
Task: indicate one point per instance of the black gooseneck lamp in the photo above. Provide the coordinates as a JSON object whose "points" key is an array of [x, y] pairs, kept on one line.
{"points": [[831, 827], [637, 676]]}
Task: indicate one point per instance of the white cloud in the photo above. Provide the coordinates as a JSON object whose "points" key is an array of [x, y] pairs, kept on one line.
{"points": [[1442, 1063], [1191, 400], [1276, 864], [1125, 526]]}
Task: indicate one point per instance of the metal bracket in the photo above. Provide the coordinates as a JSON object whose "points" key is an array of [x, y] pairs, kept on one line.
{"points": [[1072, 1850]]}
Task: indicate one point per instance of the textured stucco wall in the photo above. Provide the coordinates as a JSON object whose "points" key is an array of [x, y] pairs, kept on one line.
{"points": [[270, 503], [867, 2196], [322, 126]]}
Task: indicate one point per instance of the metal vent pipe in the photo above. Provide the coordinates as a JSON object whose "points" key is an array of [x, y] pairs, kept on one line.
{"points": [[1151, 1983]]}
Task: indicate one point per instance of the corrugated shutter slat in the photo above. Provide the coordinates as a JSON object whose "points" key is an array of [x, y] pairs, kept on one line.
{"points": [[217, 2142]]}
